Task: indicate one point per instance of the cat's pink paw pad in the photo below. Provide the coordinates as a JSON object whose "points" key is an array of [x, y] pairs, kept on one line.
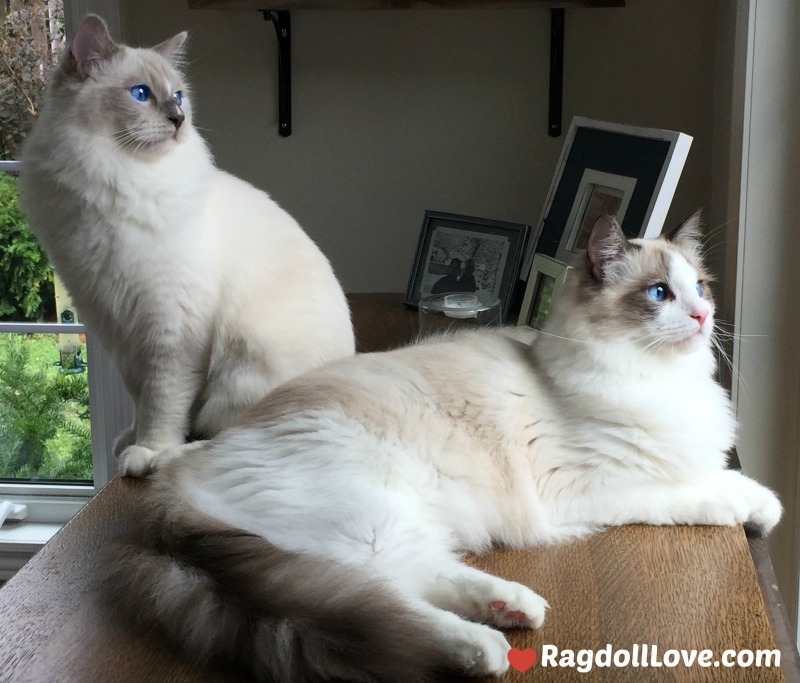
{"points": [[508, 617], [524, 609], [512, 614]]}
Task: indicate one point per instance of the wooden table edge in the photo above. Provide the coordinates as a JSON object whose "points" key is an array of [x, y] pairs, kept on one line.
{"points": [[775, 607]]}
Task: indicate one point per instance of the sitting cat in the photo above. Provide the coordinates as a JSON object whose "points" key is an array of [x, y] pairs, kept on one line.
{"points": [[319, 540], [205, 292]]}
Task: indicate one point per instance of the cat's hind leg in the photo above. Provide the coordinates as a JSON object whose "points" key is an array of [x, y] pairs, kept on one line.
{"points": [[478, 596]]}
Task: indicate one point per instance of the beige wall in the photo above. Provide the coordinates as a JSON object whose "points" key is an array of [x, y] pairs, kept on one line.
{"points": [[399, 112]]}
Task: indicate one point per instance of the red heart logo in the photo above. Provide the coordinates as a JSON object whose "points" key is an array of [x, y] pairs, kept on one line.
{"points": [[522, 660]]}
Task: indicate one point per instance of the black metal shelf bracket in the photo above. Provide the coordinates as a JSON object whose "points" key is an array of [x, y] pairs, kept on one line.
{"points": [[283, 30], [281, 20], [556, 72]]}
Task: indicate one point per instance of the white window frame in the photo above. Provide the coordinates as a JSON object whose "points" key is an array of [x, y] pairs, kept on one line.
{"points": [[110, 410], [51, 505]]}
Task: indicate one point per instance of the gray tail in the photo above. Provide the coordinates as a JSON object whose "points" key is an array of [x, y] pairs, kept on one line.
{"points": [[230, 597]]}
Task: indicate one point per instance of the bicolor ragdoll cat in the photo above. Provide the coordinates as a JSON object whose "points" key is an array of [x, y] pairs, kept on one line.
{"points": [[319, 540], [205, 292]]}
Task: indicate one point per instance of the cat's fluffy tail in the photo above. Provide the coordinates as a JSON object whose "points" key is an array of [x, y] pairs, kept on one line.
{"points": [[224, 595]]}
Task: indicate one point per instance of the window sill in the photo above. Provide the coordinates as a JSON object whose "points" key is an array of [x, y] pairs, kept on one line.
{"points": [[20, 541], [47, 514]]}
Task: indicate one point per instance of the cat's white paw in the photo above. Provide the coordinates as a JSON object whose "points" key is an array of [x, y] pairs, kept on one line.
{"points": [[136, 461], [764, 509], [492, 600], [516, 606], [479, 650], [740, 500]]}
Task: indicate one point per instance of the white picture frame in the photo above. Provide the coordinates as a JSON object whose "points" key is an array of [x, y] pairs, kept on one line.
{"points": [[599, 194], [653, 158], [545, 282]]}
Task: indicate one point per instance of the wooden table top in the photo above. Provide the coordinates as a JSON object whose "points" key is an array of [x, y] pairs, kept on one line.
{"points": [[672, 587]]}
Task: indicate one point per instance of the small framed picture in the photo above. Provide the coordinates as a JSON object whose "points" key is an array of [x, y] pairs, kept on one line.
{"points": [[545, 282], [608, 169], [466, 254], [599, 194]]}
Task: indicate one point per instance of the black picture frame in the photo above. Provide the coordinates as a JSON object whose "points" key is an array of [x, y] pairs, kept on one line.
{"points": [[496, 249]]}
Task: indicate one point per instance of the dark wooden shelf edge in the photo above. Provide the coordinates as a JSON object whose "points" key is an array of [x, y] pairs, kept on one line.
{"points": [[396, 4], [776, 610]]}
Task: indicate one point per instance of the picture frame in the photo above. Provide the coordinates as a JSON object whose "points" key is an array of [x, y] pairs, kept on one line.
{"points": [[545, 282], [486, 253], [608, 169]]}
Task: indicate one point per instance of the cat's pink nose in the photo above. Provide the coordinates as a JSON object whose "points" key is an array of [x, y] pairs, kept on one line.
{"points": [[700, 316]]}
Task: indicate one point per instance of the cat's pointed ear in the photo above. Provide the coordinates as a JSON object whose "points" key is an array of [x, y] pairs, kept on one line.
{"points": [[689, 234], [607, 245], [172, 50], [91, 45]]}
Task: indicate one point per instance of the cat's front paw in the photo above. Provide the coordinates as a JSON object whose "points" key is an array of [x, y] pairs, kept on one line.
{"points": [[765, 510], [136, 461], [741, 500]]}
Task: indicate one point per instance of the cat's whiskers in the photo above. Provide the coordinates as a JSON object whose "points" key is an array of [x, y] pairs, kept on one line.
{"points": [[715, 247], [735, 335], [708, 235], [125, 139], [725, 359], [136, 139], [556, 336], [722, 340], [746, 338], [655, 344]]}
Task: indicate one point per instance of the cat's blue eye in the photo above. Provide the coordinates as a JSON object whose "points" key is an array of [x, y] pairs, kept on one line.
{"points": [[140, 92], [658, 292], [699, 288], [178, 97]]}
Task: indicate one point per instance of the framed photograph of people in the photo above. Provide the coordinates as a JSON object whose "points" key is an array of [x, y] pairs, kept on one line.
{"points": [[545, 282], [466, 254], [608, 169]]}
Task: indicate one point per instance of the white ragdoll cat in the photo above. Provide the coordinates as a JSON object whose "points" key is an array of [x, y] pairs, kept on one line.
{"points": [[206, 293], [319, 540]]}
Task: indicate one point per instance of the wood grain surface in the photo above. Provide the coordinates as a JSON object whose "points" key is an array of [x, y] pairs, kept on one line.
{"points": [[673, 587]]}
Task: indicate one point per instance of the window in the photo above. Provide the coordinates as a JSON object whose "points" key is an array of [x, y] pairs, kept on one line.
{"points": [[61, 399]]}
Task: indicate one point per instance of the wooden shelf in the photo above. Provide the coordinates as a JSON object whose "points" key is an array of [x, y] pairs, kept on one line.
{"points": [[397, 4]]}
